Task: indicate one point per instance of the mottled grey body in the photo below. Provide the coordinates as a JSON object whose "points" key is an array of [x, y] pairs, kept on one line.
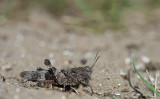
{"points": [[71, 77]]}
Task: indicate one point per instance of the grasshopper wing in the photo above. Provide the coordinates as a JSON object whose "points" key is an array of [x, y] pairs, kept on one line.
{"points": [[34, 76]]}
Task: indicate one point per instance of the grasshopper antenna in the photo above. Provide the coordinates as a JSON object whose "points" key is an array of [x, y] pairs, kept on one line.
{"points": [[95, 60]]}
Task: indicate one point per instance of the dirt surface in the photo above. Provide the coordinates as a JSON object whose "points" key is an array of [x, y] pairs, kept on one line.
{"points": [[25, 43]]}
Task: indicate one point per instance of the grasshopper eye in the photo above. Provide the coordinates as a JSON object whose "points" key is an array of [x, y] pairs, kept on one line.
{"points": [[47, 62]]}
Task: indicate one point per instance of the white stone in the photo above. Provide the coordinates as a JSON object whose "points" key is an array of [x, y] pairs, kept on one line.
{"points": [[88, 55], [145, 59], [118, 94], [128, 61], [119, 85]]}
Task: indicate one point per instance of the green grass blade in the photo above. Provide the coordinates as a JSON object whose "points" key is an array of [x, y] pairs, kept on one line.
{"points": [[147, 83], [84, 6]]}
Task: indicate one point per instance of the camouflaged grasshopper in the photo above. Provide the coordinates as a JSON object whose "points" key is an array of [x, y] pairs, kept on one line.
{"points": [[64, 78]]}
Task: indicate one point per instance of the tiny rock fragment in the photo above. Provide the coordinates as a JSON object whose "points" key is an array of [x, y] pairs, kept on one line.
{"points": [[60, 89], [123, 75], [145, 59], [117, 94], [100, 93], [88, 55], [119, 85], [7, 67], [140, 66], [68, 62], [83, 61], [128, 60], [68, 51], [136, 86]]}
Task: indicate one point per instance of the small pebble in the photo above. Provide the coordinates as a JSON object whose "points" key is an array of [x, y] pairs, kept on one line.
{"points": [[7, 67], [61, 89], [123, 75], [119, 85], [100, 84], [128, 61], [67, 53], [145, 59], [67, 62], [100, 93], [140, 66], [88, 55], [138, 77], [83, 61], [117, 94]]}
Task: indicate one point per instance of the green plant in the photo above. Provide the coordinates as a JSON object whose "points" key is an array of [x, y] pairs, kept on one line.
{"points": [[56, 7], [97, 15], [146, 82]]}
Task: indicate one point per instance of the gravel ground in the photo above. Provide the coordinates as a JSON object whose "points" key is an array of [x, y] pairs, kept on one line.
{"points": [[25, 43]]}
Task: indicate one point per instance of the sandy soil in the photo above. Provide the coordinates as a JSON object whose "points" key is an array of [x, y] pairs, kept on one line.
{"points": [[25, 43]]}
